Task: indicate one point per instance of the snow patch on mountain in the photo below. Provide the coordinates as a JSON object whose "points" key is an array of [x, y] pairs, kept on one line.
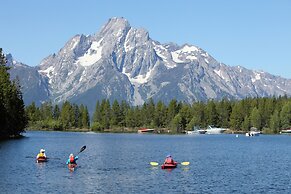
{"points": [[127, 42], [175, 56], [139, 79], [49, 72], [164, 54], [219, 73], [75, 43], [92, 56], [160, 51], [187, 52], [257, 77], [189, 49]]}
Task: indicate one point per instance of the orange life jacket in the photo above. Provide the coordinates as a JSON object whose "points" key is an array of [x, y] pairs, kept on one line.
{"points": [[72, 159], [169, 161]]}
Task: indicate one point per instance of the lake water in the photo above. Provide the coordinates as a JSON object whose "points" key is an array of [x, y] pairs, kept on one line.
{"points": [[119, 163]]}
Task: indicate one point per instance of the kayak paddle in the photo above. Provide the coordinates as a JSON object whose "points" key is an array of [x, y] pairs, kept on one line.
{"points": [[182, 163], [81, 150], [185, 163], [154, 163], [53, 158]]}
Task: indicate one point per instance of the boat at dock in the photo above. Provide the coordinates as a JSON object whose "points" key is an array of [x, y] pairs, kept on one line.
{"points": [[145, 130], [196, 130], [214, 130], [287, 130], [253, 133]]}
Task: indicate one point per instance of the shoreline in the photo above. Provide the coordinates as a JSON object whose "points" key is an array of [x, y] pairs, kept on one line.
{"points": [[128, 131]]}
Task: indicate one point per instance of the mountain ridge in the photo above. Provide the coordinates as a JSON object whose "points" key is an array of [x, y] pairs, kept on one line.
{"points": [[124, 63]]}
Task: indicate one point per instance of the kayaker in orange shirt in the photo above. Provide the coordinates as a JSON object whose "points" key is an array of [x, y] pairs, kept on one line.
{"points": [[72, 159], [169, 160]]}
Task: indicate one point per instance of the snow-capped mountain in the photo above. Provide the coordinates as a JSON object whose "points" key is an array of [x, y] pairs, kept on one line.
{"points": [[124, 63]]}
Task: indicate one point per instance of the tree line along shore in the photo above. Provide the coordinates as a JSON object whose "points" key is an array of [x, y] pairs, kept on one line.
{"points": [[267, 114]]}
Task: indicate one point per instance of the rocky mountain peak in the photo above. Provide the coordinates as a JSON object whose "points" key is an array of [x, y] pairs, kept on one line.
{"points": [[115, 26], [9, 59]]}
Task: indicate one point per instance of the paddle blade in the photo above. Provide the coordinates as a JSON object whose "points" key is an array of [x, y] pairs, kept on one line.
{"points": [[185, 163], [154, 163], [82, 149]]}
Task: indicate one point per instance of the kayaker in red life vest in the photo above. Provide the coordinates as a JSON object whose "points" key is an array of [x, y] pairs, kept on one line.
{"points": [[169, 160], [72, 159]]}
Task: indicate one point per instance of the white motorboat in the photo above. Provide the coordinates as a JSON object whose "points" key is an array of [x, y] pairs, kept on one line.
{"points": [[288, 130], [253, 133], [214, 130], [199, 131], [196, 130]]}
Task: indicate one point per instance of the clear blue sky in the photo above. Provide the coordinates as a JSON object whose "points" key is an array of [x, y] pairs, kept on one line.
{"points": [[255, 34]]}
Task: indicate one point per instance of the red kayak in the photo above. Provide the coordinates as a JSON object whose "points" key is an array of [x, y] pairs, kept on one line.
{"points": [[169, 166], [41, 159], [72, 167]]}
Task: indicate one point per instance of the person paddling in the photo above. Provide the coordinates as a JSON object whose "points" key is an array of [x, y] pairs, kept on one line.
{"points": [[41, 157], [72, 159], [41, 154], [169, 160]]}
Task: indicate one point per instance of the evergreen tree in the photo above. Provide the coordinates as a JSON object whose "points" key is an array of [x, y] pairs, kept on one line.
{"points": [[116, 114], [138, 117], [77, 115], [269, 111], [85, 118], [211, 113], [256, 120], [236, 116], [160, 115], [32, 113], [97, 114], [246, 125], [105, 114], [172, 111], [67, 116], [223, 111], [97, 117], [123, 110], [12, 112], [285, 115], [177, 124], [46, 111], [130, 118], [275, 122], [56, 112], [198, 115], [17, 109], [148, 112], [186, 116]]}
